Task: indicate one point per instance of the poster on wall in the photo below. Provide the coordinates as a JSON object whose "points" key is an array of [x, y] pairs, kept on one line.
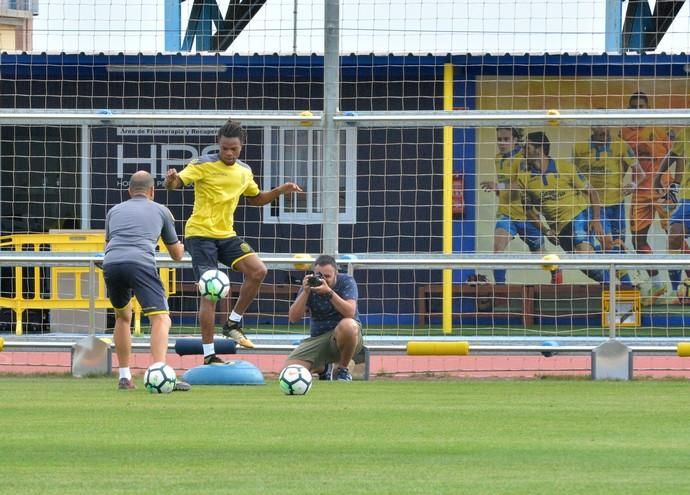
{"points": [[607, 158]]}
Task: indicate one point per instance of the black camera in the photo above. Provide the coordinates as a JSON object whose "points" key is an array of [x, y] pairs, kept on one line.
{"points": [[315, 280]]}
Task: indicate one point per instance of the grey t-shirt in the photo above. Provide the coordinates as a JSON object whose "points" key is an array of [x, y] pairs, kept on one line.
{"points": [[132, 229]]}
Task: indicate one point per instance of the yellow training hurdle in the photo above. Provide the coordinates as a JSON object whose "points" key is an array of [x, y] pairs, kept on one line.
{"points": [[82, 297]]}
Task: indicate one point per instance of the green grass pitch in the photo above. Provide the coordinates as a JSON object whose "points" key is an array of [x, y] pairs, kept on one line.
{"points": [[62, 435]]}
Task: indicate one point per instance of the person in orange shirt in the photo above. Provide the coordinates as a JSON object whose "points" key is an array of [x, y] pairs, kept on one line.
{"points": [[650, 145]]}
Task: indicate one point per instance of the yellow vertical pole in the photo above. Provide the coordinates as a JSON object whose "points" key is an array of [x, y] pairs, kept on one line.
{"points": [[18, 297], [447, 318]]}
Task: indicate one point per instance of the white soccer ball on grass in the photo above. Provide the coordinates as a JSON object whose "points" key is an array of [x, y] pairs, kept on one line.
{"points": [[295, 379], [160, 378]]}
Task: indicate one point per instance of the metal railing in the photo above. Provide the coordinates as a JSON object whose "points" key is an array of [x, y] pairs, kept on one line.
{"points": [[385, 261]]}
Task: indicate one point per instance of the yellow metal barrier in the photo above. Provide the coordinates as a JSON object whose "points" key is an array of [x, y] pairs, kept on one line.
{"points": [[455, 348], [87, 242]]}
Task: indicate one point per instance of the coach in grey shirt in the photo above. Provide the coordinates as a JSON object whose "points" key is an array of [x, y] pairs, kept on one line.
{"points": [[132, 230]]}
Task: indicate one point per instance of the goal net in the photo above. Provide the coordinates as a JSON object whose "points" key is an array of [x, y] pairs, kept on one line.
{"points": [[490, 129]]}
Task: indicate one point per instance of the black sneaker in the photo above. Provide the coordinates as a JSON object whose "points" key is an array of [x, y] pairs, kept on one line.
{"points": [[181, 386], [212, 359], [126, 384], [342, 375], [233, 330], [327, 373]]}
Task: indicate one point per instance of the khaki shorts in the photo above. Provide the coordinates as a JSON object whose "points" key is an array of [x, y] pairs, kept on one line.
{"points": [[322, 349]]}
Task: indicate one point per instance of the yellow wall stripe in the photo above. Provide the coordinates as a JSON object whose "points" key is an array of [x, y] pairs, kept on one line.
{"points": [[447, 318]]}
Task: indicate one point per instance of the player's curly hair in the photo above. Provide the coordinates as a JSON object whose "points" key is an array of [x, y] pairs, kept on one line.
{"points": [[233, 129]]}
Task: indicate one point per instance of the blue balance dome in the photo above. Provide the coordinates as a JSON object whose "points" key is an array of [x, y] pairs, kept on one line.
{"points": [[232, 373]]}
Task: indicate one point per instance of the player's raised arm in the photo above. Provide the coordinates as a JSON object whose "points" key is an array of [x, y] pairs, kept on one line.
{"points": [[172, 180], [263, 198], [637, 177]]}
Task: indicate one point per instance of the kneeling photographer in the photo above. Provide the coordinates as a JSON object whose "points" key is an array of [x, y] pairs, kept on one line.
{"points": [[330, 298]]}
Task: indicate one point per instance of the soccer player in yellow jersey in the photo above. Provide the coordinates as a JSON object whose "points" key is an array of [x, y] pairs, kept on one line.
{"points": [[511, 219], [220, 179], [604, 161], [561, 195]]}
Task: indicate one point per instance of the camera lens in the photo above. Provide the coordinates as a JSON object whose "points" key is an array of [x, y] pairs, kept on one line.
{"points": [[315, 280]]}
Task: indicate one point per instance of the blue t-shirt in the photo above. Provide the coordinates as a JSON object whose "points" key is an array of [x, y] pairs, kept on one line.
{"points": [[324, 317]]}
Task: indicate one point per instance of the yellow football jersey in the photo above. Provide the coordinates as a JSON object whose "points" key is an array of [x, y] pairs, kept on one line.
{"points": [[559, 194], [509, 199], [604, 165], [217, 190]]}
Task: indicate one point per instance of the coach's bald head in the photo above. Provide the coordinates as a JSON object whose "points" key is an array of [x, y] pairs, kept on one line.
{"points": [[141, 184]]}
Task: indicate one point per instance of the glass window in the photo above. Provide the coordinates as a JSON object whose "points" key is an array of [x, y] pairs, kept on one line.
{"points": [[294, 155]]}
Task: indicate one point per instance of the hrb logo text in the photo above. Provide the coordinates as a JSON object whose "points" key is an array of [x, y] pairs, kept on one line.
{"points": [[159, 159]]}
